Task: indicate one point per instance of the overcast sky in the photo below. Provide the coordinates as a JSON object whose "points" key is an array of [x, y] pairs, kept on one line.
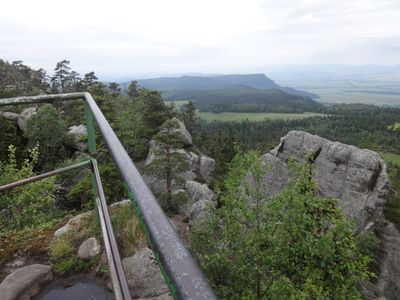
{"points": [[121, 38]]}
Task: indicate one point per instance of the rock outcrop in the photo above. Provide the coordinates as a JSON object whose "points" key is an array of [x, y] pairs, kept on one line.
{"points": [[78, 133], [24, 116], [200, 165], [200, 197], [73, 223], [144, 276], [9, 115], [24, 282], [358, 178]]}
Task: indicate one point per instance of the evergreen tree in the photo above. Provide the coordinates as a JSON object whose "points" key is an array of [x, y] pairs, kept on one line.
{"points": [[189, 117], [114, 88], [133, 90], [61, 75], [169, 163], [89, 80]]}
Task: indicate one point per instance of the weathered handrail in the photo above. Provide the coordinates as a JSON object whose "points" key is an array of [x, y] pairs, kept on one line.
{"points": [[120, 285], [187, 279]]}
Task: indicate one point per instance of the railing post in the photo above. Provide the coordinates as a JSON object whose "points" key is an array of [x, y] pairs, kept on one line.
{"points": [[91, 140]]}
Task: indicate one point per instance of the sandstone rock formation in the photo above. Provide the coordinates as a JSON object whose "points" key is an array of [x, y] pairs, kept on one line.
{"points": [[78, 133], [200, 165], [144, 276], [200, 197], [356, 177], [24, 282], [9, 115], [73, 223], [24, 116]]}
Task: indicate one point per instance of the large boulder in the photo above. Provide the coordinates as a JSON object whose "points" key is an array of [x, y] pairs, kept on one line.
{"points": [[357, 177], [200, 197], [206, 167], [73, 223], [24, 282], [144, 276], [199, 211], [24, 116], [9, 115], [89, 248], [78, 134]]}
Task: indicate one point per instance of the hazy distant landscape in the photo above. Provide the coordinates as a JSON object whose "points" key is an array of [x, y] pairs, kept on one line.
{"points": [[378, 85]]}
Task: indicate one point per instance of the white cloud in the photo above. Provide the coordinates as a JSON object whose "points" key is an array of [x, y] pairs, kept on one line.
{"points": [[127, 37]]}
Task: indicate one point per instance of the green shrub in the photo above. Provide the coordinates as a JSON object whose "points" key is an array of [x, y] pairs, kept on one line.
{"points": [[295, 246], [28, 205]]}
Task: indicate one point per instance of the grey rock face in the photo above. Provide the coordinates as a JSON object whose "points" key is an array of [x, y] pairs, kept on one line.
{"points": [[357, 177], [144, 276], [198, 211], [74, 222], [200, 165], [19, 283], [389, 277], [89, 248], [206, 167], [187, 138], [78, 132], [24, 116], [9, 115], [200, 197]]}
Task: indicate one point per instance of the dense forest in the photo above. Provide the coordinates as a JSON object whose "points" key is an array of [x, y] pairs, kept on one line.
{"points": [[139, 115], [244, 99]]}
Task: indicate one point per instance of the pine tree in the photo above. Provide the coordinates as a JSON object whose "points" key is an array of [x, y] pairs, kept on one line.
{"points": [[61, 75], [169, 163], [189, 116], [133, 90]]}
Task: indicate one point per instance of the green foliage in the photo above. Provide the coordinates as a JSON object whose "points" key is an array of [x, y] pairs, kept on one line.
{"points": [[133, 90], [168, 163], [64, 259], [29, 205], [296, 246], [189, 117], [17, 79], [49, 131], [8, 136], [244, 99], [127, 229], [139, 120]]}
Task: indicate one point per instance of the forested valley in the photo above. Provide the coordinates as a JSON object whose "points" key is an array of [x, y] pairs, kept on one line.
{"points": [[238, 246]]}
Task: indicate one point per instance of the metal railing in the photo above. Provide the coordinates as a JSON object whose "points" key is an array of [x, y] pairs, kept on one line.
{"points": [[120, 285], [180, 271]]}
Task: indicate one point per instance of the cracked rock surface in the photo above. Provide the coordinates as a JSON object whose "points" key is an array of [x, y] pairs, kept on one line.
{"points": [[357, 177]]}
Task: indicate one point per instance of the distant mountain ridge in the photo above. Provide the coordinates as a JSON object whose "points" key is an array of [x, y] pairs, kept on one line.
{"points": [[218, 82]]}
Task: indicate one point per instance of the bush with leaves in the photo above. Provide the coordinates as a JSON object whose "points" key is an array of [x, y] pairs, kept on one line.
{"points": [[28, 205], [49, 131], [297, 245]]}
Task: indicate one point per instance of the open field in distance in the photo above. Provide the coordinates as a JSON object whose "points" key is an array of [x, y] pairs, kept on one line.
{"points": [[231, 116]]}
